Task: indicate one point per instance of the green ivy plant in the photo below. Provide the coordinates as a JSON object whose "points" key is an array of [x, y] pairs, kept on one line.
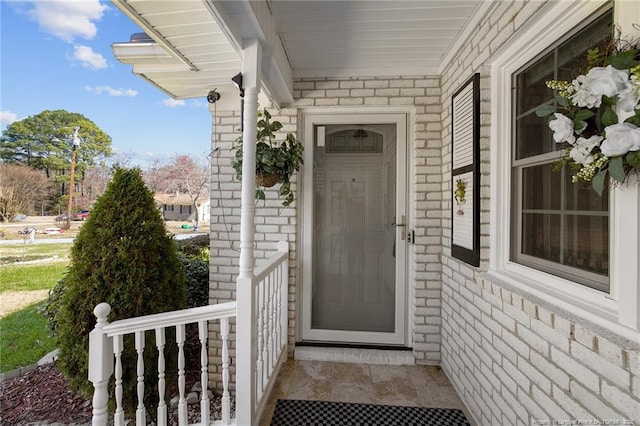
{"points": [[277, 160]]}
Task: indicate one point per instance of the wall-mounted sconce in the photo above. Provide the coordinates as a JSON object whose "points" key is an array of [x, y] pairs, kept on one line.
{"points": [[237, 80]]}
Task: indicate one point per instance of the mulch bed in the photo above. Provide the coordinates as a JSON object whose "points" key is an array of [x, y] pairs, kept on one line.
{"points": [[42, 395]]}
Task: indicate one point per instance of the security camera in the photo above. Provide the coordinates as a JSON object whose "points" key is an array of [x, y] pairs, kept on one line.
{"points": [[213, 96]]}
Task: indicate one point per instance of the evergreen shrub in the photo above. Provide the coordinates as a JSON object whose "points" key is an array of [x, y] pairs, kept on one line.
{"points": [[123, 255], [194, 255]]}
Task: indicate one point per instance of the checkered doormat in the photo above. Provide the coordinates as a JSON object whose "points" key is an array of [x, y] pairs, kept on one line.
{"points": [[290, 412]]}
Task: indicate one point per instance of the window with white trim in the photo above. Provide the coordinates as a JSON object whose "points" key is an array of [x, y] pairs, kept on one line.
{"points": [[557, 227]]}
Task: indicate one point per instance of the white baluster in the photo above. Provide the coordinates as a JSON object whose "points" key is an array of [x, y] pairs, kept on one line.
{"points": [[283, 246], [141, 415], [118, 346], [272, 319], [226, 402], [182, 403], [205, 407], [100, 365], [279, 312], [260, 342], [162, 405], [265, 333]]}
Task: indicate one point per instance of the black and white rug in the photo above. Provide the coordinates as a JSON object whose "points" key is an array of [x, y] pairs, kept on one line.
{"points": [[290, 412]]}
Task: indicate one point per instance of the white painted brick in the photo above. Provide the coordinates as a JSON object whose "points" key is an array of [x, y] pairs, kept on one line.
{"points": [[534, 375], [584, 336], [513, 371], [633, 361], [532, 339], [549, 405], [622, 401], [516, 344], [545, 316], [593, 403], [575, 410], [503, 319], [577, 371], [610, 351], [607, 370], [376, 84], [535, 410], [549, 334]]}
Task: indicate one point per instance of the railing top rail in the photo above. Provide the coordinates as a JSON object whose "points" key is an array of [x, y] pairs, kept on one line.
{"points": [[272, 262], [168, 319]]}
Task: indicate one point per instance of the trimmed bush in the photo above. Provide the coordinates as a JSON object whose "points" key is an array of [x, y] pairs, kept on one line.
{"points": [[124, 256], [194, 255]]}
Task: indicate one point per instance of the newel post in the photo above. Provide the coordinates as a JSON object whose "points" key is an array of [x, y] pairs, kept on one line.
{"points": [[100, 364]]}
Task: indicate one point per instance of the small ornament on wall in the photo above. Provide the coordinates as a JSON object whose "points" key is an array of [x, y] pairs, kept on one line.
{"points": [[459, 195]]}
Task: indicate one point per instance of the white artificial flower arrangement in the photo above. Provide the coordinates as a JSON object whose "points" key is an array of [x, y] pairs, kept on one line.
{"points": [[598, 115]]}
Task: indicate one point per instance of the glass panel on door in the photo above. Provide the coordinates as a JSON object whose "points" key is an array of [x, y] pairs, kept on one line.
{"points": [[354, 232]]}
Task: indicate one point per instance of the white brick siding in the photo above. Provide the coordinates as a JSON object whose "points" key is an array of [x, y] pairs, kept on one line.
{"points": [[533, 362], [512, 358]]}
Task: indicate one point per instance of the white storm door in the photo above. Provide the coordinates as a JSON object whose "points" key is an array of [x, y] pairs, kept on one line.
{"points": [[354, 229]]}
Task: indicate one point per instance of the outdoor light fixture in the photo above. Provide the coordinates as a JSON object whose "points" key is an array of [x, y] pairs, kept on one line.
{"points": [[237, 80], [213, 96]]}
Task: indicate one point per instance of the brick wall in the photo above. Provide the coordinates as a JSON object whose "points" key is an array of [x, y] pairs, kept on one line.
{"points": [[512, 358]]}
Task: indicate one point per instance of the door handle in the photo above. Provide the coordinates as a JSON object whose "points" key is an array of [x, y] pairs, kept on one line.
{"points": [[402, 235]]}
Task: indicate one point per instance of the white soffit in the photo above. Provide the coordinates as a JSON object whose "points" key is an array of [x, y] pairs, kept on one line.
{"points": [[347, 38], [191, 56], [371, 38]]}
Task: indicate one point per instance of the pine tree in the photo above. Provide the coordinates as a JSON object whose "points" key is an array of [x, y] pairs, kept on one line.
{"points": [[124, 256]]}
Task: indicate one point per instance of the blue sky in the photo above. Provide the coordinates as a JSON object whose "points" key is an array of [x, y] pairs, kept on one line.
{"points": [[56, 54]]}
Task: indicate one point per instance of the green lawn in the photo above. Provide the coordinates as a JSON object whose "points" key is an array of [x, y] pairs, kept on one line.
{"points": [[31, 277], [12, 253], [24, 337]]}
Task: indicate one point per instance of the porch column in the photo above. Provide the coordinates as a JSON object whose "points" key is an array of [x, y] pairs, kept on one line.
{"points": [[246, 321]]}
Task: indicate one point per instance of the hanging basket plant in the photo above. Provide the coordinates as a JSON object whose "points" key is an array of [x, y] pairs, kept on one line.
{"points": [[276, 162]]}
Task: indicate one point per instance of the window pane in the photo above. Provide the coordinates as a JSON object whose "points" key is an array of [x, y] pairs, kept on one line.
{"points": [[534, 136], [541, 236], [564, 227], [587, 243], [531, 87], [541, 188], [583, 197]]}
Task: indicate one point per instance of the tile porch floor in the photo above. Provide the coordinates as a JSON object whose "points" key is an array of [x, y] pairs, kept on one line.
{"points": [[410, 385]]}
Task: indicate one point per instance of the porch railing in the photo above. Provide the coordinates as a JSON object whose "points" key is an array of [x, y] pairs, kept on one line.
{"points": [[262, 354]]}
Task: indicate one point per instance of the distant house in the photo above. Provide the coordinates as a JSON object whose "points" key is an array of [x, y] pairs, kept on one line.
{"points": [[178, 206]]}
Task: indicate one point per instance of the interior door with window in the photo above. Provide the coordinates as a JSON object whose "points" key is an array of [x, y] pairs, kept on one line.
{"points": [[355, 231]]}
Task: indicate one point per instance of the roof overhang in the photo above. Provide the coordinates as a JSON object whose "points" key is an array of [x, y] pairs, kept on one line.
{"points": [[197, 47]]}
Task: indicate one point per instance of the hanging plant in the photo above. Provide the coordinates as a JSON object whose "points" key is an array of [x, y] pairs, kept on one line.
{"points": [[276, 162]]}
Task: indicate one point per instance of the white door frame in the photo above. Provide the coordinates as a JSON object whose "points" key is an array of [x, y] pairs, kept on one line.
{"points": [[364, 117]]}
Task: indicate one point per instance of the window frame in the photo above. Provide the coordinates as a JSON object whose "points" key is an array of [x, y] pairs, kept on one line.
{"points": [[520, 165], [618, 310]]}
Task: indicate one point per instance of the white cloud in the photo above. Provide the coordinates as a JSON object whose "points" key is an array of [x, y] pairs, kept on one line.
{"points": [[8, 117], [99, 90], [68, 19], [88, 58], [172, 103]]}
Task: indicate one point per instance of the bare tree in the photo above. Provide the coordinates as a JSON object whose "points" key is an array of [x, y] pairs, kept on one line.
{"points": [[185, 174], [21, 187]]}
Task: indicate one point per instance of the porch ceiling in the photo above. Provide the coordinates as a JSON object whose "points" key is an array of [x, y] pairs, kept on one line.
{"points": [[198, 42]]}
